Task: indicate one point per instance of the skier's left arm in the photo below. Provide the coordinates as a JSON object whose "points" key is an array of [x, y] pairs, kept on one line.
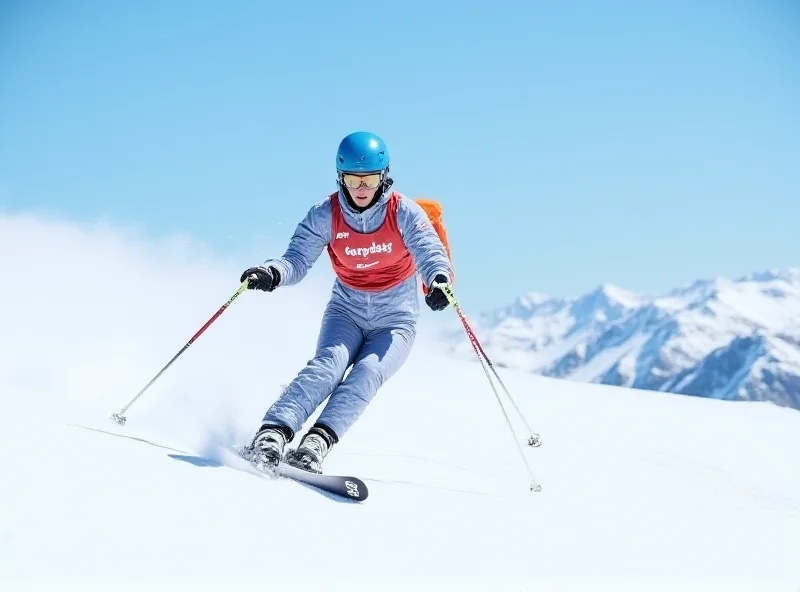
{"points": [[426, 248]]}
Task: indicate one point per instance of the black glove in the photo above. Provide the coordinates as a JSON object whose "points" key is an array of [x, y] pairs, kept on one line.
{"points": [[262, 278], [435, 298]]}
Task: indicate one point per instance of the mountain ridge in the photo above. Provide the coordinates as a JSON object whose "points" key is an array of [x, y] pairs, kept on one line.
{"points": [[734, 339]]}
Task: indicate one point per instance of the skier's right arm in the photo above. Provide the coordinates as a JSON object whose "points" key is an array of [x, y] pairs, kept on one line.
{"points": [[309, 239]]}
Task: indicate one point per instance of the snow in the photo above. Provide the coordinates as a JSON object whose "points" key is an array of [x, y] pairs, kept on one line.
{"points": [[603, 361], [621, 296], [784, 352], [641, 490]]}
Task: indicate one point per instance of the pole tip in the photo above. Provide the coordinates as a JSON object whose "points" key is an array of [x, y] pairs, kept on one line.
{"points": [[119, 418], [534, 441], [536, 488]]}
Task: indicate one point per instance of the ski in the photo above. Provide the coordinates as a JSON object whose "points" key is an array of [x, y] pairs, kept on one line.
{"points": [[344, 486]]}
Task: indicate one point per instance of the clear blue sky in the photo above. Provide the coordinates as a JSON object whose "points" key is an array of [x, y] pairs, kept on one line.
{"points": [[644, 144]]}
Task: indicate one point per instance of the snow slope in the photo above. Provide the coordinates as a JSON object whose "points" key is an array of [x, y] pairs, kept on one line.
{"points": [[725, 339], [641, 490]]}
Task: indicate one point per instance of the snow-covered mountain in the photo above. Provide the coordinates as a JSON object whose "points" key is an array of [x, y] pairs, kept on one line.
{"points": [[724, 339]]}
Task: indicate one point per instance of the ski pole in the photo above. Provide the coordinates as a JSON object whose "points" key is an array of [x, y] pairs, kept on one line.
{"points": [[534, 439], [120, 417]]}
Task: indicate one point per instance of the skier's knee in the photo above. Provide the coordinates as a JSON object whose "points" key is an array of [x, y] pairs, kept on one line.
{"points": [[329, 360], [372, 371]]}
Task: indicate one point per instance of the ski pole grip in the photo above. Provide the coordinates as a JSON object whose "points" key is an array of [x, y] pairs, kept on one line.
{"points": [[447, 290]]}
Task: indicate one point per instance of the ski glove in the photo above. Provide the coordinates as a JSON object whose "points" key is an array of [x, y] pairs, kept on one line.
{"points": [[435, 298], [262, 278]]}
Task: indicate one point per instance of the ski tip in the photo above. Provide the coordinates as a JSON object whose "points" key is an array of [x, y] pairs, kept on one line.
{"points": [[356, 489], [344, 486]]}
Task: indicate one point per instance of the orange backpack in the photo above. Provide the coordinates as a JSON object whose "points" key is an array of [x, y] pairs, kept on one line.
{"points": [[434, 211]]}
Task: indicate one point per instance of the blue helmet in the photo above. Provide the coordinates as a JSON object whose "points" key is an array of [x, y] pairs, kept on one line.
{"points": [[362, 152]]}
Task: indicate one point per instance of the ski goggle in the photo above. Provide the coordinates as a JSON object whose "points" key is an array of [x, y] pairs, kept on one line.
{"points": [[370, 181]]}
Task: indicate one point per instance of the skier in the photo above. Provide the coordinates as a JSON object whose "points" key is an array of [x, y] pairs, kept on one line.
{"points": [[378, 241]]}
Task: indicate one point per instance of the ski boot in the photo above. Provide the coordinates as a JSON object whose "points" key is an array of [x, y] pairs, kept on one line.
{"points": [[312, 450], [265, 452]]}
